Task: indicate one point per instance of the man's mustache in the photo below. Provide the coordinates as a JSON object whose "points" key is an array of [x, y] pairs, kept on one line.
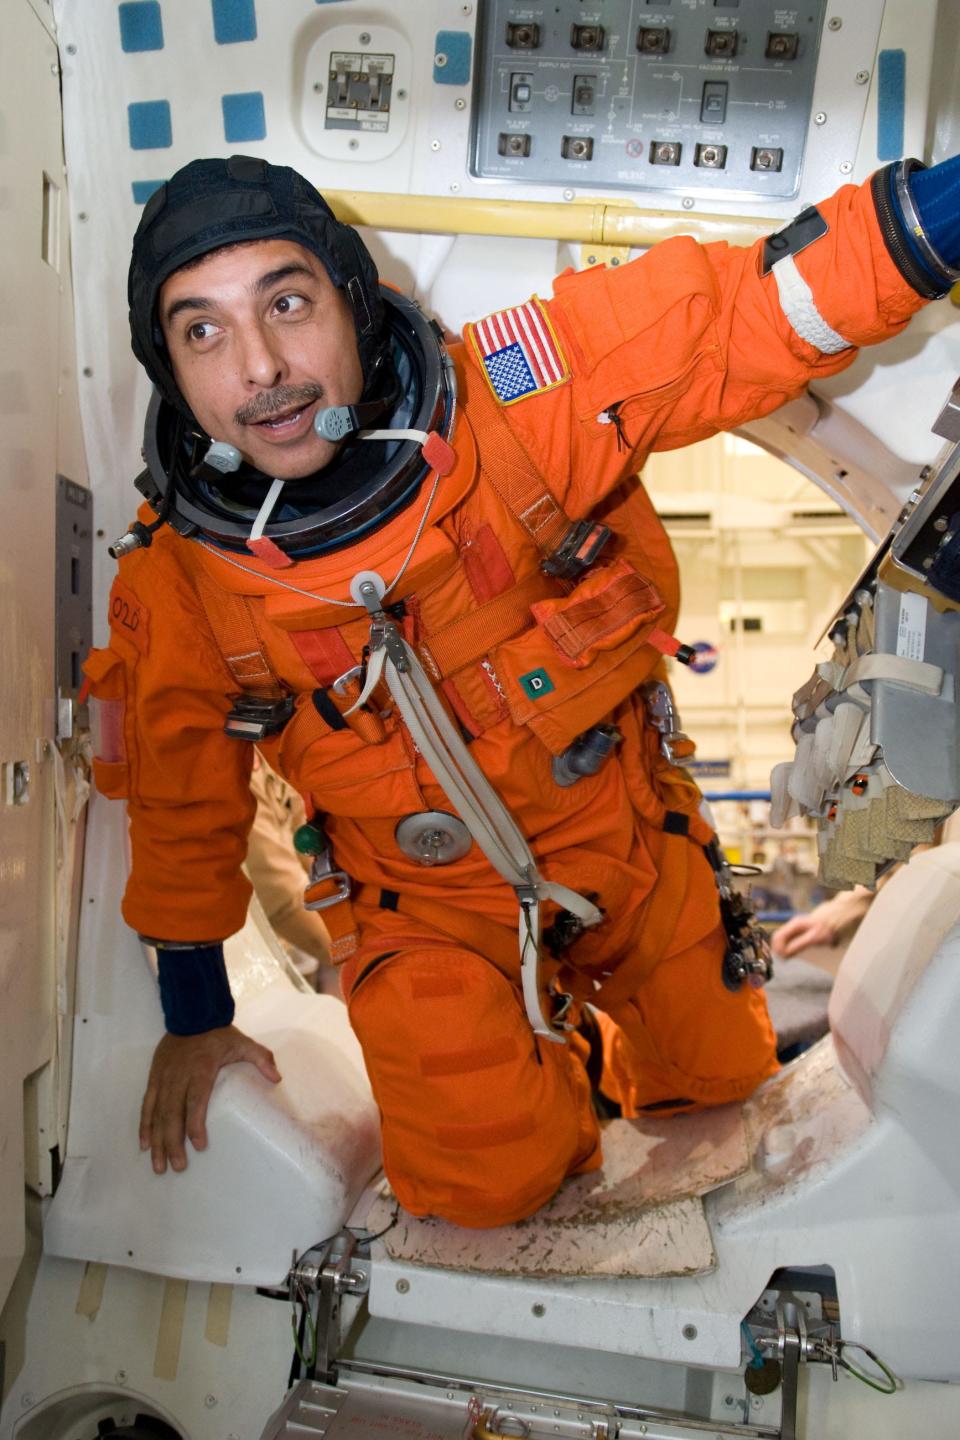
{"points": [[274, 402]]}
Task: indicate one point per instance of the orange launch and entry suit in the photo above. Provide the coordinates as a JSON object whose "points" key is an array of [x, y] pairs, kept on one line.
{"points": [[481, 1119]]}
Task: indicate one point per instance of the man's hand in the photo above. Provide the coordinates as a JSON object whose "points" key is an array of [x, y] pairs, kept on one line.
{"points": [[828, 924], [178, 1091], [801, 931]]}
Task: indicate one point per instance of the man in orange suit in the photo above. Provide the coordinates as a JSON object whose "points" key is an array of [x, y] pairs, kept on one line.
{"points": [[427, 583]]}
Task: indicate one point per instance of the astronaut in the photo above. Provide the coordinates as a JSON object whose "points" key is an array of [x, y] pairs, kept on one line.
{"points": [[427, 583]]}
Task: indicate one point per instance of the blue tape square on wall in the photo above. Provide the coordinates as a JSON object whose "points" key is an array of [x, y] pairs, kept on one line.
{"points": [[452, 50], [143, 189], [150, 127], [234, 21], [141, 25], [243, 116], [891, 103]]}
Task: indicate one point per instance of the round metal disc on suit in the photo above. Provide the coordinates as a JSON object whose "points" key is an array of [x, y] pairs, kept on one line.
{"points": [[433, 837]]}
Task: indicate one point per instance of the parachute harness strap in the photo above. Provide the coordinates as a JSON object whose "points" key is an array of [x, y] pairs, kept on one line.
{"points": [[474, 798]]}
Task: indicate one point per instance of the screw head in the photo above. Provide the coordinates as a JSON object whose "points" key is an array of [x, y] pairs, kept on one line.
{"points": [[210, 1401], [26, 1400], [941, 523], [71, 49], [688, 202], [121, 1377], [460, 103], [834, 23], [568, 194], [365, 37], [402, 1287], [454, 186], [820, 118], [689, 1332], [434, 144], [862, 76], [538, 1310], [88, 371], [440, 60], [354, 144], [318, 87], [846, 167]]}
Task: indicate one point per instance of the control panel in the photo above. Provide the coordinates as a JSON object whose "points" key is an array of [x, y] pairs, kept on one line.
{"points": [[698, 96]]}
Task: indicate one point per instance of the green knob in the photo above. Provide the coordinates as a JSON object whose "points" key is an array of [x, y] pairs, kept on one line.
{"points": [[309, 839]]}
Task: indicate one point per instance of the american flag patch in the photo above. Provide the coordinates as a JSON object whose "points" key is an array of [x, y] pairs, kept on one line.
{"points": [[519, 352]]}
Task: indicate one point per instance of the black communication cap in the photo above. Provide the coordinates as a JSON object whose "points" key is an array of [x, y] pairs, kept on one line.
{"points": [[217, 202]]}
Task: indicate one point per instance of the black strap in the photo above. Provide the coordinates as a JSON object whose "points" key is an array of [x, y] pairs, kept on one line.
{"points": [[808, 226], [675, 822], [326, 709]]}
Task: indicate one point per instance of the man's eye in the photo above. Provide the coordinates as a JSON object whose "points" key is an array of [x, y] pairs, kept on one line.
{"points": [[289, 304], [201, 330]]}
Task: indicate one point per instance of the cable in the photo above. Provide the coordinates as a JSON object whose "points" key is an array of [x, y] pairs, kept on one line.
{"points": [[366, 1239], [757, 1360], [893, 1382]]}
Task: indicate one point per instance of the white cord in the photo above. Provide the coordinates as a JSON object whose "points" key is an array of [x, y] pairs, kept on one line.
{"points": [[266, 509], [312, 594]]}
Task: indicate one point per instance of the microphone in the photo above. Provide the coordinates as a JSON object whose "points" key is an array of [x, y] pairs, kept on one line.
{"points": [[339, 421]]}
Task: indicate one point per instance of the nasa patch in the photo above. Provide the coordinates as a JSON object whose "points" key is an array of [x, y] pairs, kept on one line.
{"points": [[519, 352]]}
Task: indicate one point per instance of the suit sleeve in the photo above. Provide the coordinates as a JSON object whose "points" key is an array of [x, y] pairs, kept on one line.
{"points": [[690, 339], [161, 693]]}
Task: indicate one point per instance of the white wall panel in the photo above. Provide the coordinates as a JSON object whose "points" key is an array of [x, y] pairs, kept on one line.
{"points": [[33, 244]]}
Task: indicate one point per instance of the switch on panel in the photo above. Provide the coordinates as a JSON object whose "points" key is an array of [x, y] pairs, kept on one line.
{"points": [[584, 95], [765, 157], [721, 44], [710, 157], [523, 36], [587, 37], [665, 152], [521, 92], [653, 39], [781, 46], [713, 104], [517, 146], [576, 147]]}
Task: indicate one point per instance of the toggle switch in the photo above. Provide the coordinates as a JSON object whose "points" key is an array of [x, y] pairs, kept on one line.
{"points": [[713, 103]]}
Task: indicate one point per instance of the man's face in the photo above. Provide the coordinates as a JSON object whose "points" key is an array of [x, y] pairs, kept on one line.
{"points": [[259, 339]]}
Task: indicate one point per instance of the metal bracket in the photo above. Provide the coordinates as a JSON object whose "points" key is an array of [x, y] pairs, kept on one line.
{"points": [[662, 714], [341, 1268]]}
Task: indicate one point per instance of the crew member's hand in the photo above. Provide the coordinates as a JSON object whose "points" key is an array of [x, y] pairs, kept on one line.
{"points": [[825, 925], [801, 931], [178, 1091]]}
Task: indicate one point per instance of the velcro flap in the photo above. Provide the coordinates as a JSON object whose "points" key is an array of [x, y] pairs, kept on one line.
{"points": [[610, 605]]}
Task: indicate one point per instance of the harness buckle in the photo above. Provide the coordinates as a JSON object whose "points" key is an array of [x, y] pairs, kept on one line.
{"points": [[356, 672], [322, 869], [254, 717], [577, 551]]}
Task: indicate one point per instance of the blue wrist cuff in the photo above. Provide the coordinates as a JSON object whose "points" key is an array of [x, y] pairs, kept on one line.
{"points": [[936, 194], [194, 989]]}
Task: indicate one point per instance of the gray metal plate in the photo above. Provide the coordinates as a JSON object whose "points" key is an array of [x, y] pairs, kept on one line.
{"points": [[609, 109]]}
